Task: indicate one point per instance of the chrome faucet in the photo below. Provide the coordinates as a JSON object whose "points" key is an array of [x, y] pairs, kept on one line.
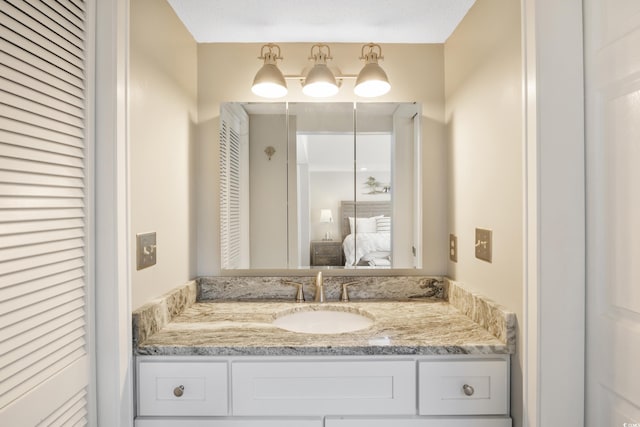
{"points": [[319, 288]]}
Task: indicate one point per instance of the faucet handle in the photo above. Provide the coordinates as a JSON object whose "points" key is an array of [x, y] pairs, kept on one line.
{"points": [[345, 293], [299, 292]]}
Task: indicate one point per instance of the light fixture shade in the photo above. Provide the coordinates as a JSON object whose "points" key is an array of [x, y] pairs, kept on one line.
{"points": [[320, 82], [372, 80], [325, 216], [269, 81]]}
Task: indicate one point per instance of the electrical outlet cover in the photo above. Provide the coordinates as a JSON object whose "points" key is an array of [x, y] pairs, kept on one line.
{"points": [[453, 247], [145, 250], [484, 245]]}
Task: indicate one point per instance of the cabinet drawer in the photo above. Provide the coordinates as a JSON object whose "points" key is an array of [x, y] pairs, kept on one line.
{"points": [[323, 388], [229, 422], [326, 253], [327, 260], [182, 388], [326, 250], [478, 387], [419, 422]]}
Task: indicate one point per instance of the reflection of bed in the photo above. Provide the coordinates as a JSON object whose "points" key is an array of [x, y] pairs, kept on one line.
{"points": [[371, 247]]}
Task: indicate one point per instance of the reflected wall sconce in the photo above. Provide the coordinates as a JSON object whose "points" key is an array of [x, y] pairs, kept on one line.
{"points": [[269, 151], [320, 81]]}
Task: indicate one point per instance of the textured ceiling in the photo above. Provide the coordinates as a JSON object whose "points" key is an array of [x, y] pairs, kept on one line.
{"points": [[380, 21]]}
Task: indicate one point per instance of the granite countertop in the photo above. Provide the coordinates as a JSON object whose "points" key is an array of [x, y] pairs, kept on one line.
{"points": [[417, 326]]}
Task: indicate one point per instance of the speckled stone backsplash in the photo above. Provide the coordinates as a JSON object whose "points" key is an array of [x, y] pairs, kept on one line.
{"points": [[153, 316], [494, 318], [372, 287]]}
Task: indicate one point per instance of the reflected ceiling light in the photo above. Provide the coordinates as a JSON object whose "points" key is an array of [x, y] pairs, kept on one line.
{"points": [[320, 81], [269, 81], [372, 80]]}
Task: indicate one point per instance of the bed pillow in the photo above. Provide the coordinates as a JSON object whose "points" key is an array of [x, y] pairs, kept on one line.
{"points": [[383, 224], [363, 225]]}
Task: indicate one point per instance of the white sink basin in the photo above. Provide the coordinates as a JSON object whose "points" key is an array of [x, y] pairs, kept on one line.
{"points": [[323, 320]]}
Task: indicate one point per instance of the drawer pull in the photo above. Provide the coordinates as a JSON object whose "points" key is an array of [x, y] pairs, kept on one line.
{"points": [[178, 391], [468, 390]]}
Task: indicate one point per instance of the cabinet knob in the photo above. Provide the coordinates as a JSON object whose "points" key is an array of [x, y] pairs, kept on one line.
{"points": [[468, 390], [178, 391]]}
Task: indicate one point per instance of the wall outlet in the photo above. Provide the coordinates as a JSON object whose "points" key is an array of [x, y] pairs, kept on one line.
{"points": [[484, 245], [145, 250], [453, 247]]}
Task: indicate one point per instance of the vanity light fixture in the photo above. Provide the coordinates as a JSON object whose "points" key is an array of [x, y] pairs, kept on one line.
{"points": [[320, 81], [372, 80], [269, 81]]}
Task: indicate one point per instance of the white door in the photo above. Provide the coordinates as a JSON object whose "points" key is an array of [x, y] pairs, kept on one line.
{"points": [[612, 64], [44, 214]]}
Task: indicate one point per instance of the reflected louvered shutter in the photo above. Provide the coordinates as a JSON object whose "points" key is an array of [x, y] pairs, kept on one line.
{"points": [[44, 366], [233, 197], [224, 192]]}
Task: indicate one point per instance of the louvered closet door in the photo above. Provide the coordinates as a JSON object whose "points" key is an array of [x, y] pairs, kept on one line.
{"points": [[44, 363]]}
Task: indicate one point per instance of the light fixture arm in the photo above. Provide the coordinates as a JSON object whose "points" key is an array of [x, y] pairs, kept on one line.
{"points": [[270, 56], [320, 56], [371, 55], [300, 77]]}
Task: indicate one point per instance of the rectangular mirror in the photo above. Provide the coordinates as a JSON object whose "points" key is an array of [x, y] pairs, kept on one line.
{"points": [[310, 185]]}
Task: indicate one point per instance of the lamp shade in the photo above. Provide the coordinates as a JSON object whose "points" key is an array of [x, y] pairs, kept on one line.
{"points": [[320, 82], [325, 215], [372, 81], [269, 82]]}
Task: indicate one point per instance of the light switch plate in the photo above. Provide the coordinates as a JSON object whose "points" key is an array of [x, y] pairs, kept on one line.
{"points": [[145, 250], [453, 247], [484, 245]]}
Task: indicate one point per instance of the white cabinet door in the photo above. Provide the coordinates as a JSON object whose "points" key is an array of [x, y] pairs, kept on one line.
{"points": [[463, 387], [242, 422], [318, 388], [182, 388], [419, 422]]}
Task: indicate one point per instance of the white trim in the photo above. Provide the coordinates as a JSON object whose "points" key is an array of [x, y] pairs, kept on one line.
{"points": [[90, 167], [113, 277], [554, 264]]}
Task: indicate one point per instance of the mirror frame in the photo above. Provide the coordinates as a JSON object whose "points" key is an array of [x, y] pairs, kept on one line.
{"points": [[342, 270]]}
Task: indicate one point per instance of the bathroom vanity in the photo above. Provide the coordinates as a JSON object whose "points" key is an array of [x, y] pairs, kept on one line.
{"points": [[334, 391], [422, 362]]}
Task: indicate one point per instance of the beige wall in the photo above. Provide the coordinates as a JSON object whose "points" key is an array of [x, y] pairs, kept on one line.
{"points": [[268, 207], [225, 74], [483, 81], [163, 116]]}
